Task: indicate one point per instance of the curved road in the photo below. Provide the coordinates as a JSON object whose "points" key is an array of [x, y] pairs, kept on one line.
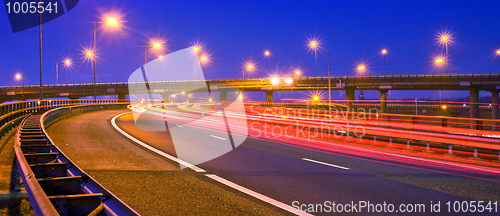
{"points": [[293, 174], [150, 184]]}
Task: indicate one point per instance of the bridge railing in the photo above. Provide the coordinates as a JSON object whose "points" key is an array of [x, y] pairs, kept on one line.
{"points": [[55, 185]]}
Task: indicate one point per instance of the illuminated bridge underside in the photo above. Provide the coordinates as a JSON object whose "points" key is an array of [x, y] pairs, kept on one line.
{"points": [[477, 82], [470, 82]]}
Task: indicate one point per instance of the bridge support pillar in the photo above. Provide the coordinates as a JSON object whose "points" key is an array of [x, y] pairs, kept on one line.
{"points": [[494, 108], [164, 97], [269, 96], [474, 107], [223, 95], [383, 101], [349, 97], [121, 97]]}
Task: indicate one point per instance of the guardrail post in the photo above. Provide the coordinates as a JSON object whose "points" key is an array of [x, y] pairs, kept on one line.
{"points": [[374, 139], [407, 143], [450, 149], [474, 106], [494, 108], [475, 152], [390, 140], [427, 144], [444, 122]]}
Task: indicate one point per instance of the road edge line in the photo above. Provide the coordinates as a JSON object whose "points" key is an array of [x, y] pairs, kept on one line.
{"points": [[155, 150], [257, 195]]}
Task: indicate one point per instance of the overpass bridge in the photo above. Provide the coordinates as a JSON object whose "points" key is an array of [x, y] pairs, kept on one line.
{"points": [[473, 83]]}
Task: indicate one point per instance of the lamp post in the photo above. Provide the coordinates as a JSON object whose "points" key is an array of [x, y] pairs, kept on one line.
{"points": [[67, 63], [314, 45], [266, 56], [445, 40], [154, 45], [111, 22], [249, 67], [19, 77], [384, 52]]}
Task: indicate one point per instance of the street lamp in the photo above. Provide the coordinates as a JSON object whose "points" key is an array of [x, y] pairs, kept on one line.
{"points": [[314, 45], [361, 67], [67, 63], [289, 80], [266, 56], [111, 22], [439, 60], [297, 73], [19, 77], [445, 39], [384, 52], [155, 46], [249, 67]]}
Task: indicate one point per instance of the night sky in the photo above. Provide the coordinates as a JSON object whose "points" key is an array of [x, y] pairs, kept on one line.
{"points": [[232, 33]]}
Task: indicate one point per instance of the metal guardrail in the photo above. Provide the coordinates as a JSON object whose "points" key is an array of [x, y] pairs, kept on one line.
{"points": [[55, 185]]}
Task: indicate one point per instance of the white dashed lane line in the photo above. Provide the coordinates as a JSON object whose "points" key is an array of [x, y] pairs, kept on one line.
{"points": [[326, 164]]}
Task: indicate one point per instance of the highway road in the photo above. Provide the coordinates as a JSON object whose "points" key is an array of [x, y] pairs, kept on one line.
{"points": [[295, 174], [150, 184], [290, 174]]}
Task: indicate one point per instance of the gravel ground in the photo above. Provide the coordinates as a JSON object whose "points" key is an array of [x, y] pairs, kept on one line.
{"points": [[151, 185]]}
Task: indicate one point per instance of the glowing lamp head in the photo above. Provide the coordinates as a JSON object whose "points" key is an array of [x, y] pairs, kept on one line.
{"points": [[89, 53], [444, 38], [67, 62], [275, 80], [241, 96], [266, 53], [444, 107], [249, 66], [183, 92], [160, 56], [157, 45], [203, 58], [313, 44], [196, 49], [288, 80], [384, 51], [111, 21], [439, 60], [173, 96], [361, 67], [316, 98], [18, 76], [297, 72], [210, 100], [190, 95], [498, 52]]}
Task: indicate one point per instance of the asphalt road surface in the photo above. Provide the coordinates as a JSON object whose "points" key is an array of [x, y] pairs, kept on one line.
{"points": [[295, 175], [150, 184]]}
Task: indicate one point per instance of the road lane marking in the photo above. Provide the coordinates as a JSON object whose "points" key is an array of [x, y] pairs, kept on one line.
{"points": [[217, 137], [257, 195], [327, 164], [155, 150], [180, 126]]}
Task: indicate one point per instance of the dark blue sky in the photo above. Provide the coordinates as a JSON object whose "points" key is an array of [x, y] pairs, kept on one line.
{"points": [[234, 32]]}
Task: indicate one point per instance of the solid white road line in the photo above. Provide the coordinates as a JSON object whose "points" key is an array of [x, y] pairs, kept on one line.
{"points": [[193, 167], [217, 137], [257, 195], [180, 126], [327, 164]]}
